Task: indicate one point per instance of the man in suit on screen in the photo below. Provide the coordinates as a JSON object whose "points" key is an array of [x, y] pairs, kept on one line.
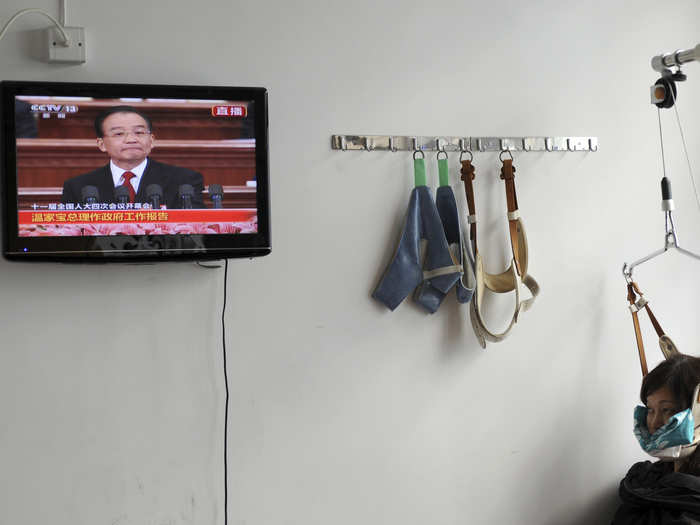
{"points": [[126, 135]]}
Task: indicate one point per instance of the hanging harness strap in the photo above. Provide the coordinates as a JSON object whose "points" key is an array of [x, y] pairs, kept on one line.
{"points": [[516, 274], [508, 176], [409, 267], [518, 239], [468, 175], [668, 347], [426, 294], [634, 308]]}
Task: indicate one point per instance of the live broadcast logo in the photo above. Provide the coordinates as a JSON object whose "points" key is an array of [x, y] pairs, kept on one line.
{"points": [[229, 111]]}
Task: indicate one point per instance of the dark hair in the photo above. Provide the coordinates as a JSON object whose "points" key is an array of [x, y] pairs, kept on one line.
{"points": [[680, 373], [118, 109]]}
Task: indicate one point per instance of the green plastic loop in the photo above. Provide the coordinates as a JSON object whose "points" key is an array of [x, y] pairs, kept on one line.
{"points": [[419, 172], [443, 172]]}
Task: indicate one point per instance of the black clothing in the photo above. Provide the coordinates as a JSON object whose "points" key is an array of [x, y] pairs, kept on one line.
{"points": [[653, 494], [168, 177]]}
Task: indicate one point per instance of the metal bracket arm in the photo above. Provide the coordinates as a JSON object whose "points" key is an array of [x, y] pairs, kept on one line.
{"points": [[661, 63]]}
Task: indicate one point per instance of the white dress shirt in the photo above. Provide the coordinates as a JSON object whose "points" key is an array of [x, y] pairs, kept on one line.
{"points": [[117, 174]]}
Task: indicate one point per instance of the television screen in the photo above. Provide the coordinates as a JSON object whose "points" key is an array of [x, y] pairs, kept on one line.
{"points": [[109, 172]]}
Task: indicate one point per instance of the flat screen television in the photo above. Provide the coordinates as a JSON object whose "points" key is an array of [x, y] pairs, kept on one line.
{"points": [[129, 172]]}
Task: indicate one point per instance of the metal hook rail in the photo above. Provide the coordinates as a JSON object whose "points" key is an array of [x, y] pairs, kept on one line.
{"points": [[462, 144]]}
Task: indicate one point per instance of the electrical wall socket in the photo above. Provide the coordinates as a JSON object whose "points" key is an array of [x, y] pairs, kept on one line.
{"points": [[57, 52]]}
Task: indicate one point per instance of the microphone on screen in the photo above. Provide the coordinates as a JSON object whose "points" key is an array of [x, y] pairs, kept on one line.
{"points": [[154, 195], [216, 193], [121, 194], [90, 194], [185, 193]]}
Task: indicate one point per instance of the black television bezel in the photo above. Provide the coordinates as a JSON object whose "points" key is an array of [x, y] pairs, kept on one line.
{"points": [[146, 248]]}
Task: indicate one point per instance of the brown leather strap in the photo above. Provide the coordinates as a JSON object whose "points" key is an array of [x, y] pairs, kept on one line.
{"points": [[632, 298], [508, 175], [652, 318], [657, 326], [468, 175]]}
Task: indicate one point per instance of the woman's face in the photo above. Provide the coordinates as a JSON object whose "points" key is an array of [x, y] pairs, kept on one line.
{"points": [[661, 405]]}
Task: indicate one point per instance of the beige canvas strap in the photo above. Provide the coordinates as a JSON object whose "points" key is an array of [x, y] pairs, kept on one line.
{"points": [[482, 332], [515, 276]]}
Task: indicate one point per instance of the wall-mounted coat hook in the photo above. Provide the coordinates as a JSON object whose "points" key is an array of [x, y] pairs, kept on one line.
{"points": [[461, 144]]}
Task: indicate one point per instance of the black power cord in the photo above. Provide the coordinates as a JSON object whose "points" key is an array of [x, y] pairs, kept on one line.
{"points": [[223, 338], [223, 343]]}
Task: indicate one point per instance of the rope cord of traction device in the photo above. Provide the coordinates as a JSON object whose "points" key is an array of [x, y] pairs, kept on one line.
{"points": [[685, 148], [661, 139]]}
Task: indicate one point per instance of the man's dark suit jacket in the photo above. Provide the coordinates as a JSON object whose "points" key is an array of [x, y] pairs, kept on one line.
{"points": [[168, 177]]}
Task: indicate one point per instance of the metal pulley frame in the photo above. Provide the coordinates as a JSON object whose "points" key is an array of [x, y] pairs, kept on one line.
{"points": [[664, 91]]}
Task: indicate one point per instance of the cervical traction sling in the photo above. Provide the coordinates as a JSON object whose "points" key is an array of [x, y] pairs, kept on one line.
{"points": [[668, 348], [440, 270], [513, 278], [426, 294]]}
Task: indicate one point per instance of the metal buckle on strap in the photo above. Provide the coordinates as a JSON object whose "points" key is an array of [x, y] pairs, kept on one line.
{"points": [[638, 305]]}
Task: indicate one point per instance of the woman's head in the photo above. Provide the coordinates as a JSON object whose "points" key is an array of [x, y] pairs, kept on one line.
{"points": [[669, 388]]}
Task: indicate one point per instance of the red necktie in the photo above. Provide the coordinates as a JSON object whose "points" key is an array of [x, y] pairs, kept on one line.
{"points": [[127, 176]]}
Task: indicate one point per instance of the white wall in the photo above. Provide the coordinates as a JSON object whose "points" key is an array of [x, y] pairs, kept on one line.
{"points": [[343, 413]]}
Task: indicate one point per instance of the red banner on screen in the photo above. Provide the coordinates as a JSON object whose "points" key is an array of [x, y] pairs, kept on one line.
{"points": [[136, 222], [133, 216]]}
